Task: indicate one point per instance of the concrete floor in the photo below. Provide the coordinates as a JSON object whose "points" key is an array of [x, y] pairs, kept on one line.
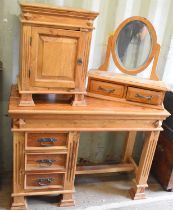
{"points": [[98, 193]]}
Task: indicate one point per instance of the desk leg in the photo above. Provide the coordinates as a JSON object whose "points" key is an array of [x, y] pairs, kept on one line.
{"points": [[130, 141], [73, 143], [151, 138]]}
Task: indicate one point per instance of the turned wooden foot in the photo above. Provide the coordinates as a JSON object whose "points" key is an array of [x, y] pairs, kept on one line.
{"points": [[19, 203], [138, 192], [67, 200], [79, 100], [26, 100]]}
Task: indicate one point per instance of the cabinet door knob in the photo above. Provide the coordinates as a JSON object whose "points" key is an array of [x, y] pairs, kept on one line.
{"points": [[79, 61]]}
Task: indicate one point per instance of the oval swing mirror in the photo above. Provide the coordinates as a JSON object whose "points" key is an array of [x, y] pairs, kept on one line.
{"points": [[133, 45]]}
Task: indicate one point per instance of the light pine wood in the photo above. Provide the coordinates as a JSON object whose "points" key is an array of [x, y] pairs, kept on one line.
{"points": [[67, 199], [42, 140], [45, 161], [123, 79], [138, 192], [58, 126], [145, 96], [105, 65], [19, 203], [143, 92], [18, 171], [128, 81], [105, 88], [56, 52], [100, 169], [26, 100], [153, 75], [55, 47], [43, 181], [129, 144]]}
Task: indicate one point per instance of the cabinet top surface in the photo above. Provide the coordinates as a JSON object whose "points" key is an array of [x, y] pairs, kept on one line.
{"points": [[47, 8], [49, 105]]}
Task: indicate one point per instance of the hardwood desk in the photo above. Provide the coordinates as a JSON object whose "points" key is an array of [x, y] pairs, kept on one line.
{"points": [[46, 138]]}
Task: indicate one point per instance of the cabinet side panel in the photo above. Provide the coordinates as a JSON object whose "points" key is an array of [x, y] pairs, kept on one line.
{"points": [[83, 52], [25, 56]]}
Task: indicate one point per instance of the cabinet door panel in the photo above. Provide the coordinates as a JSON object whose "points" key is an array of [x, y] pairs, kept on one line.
{"points": [[54, 57]]}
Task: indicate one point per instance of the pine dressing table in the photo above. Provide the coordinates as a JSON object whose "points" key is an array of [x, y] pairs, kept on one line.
{"points": [[46, 139]]}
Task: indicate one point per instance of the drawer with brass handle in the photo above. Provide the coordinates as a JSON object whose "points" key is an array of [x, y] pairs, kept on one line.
{"points": [[40, 180], [144, 96], [35, 161], [45, 140], [105, 88]]}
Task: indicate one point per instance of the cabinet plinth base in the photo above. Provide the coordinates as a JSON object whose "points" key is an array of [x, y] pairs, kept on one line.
{"points": [[138, 193], [79, 103], [26, 100], [79, 100]]}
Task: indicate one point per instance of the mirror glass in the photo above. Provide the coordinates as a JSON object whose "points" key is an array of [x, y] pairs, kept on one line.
{"points": [[133, 45]]}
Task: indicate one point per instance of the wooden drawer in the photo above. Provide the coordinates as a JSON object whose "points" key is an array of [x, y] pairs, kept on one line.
{"points": [[144, 96], [105, 88], [35, 161], [46, 180], [46, 140]]}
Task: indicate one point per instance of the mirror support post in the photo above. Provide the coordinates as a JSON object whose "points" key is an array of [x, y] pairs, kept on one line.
{"points": [[105, 65], [153, 75]]}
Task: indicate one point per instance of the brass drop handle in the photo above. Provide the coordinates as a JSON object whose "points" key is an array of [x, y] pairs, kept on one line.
{"points": [[79, 61], [44, 181], [143, 97], [106, 90], [45, 162], [47, 142]]}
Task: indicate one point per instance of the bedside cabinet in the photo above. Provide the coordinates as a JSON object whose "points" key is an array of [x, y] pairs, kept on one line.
{"points": [[55, 44]]}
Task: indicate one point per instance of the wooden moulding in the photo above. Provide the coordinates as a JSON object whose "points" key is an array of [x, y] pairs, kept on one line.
{"points": [[47, 14], [34, 193]]}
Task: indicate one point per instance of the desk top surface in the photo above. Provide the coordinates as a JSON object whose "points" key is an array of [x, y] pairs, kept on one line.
{"points": [[48, 104]]}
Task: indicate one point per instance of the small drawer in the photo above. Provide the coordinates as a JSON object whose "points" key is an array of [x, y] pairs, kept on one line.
{"points": [[144, 96], [105, 88], [35, 161], [46, 181], [46, 140]]}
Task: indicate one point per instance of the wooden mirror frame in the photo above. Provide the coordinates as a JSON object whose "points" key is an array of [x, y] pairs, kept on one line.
{"points": [[154, 54]]}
